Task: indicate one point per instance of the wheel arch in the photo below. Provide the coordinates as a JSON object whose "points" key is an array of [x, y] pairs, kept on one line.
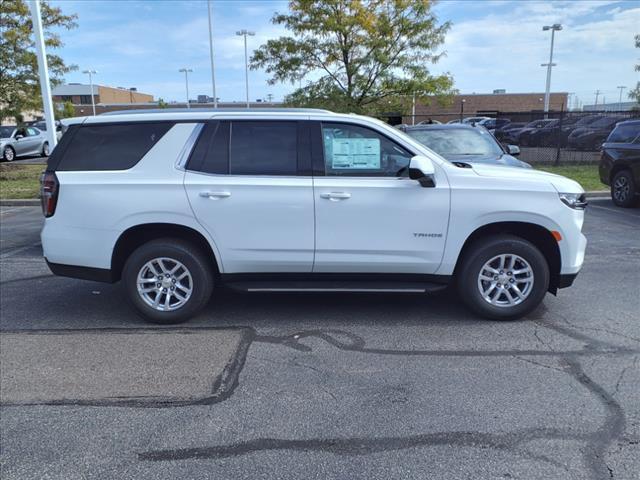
{"points": [[541, 237], [137, 235], [617, 167]]}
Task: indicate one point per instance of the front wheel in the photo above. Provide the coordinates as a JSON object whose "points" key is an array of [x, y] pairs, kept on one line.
{"points": [[503, 277], [168, 280], [8, 154], [623, 189]]}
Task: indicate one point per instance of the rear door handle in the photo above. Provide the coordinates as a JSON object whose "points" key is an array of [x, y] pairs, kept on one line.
{"points": [[215, 195], [335, 196]]}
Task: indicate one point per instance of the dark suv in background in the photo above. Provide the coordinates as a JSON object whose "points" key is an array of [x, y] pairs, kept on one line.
{"points": [[620, 163], [591, 136]]}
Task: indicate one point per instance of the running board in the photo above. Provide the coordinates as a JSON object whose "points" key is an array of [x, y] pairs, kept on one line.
{"points": [[336, 286]]}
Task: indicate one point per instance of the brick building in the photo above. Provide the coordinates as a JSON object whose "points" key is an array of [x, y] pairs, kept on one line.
{"points": [[80, 94], [487, 103]]}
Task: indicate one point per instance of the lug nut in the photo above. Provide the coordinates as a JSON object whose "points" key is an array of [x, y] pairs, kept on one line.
{"points": [[501, 272], [509, 273], [164, 290], [158, 285], [173, 288], [512, 280], [173, 280]]}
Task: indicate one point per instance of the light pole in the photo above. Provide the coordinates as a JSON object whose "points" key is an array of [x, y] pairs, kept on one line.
{"points": [[93, 103], [621, 88], [556, 27], [186, 71], [213, 75], [244, 33], [462, 109]]}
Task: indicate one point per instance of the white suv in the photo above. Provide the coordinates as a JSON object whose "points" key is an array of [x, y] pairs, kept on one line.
{"points": [[174, 203]]}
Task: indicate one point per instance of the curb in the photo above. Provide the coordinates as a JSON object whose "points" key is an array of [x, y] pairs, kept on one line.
{"points": [[26, 202], [35, 202]]}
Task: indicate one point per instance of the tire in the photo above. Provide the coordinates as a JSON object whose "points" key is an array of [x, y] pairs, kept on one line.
{"points": [[144, 261], [623, 189], [8, 154], [533, 283], [45, 150]]}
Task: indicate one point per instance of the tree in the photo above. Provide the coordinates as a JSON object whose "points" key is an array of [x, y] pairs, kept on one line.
{"points": [[635, 93], [67, 111], [19, 81], [370, 55], [162, 103]]}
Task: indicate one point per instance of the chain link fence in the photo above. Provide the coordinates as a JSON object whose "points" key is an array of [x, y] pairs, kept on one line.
{"points": [[553, 138]]}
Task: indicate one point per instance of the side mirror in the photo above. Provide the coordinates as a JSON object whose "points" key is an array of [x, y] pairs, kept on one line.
{"points": [[513, 150], [18, 136], [421, 169]]}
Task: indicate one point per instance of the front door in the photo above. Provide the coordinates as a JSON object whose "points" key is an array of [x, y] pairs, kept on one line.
{"points": [[244, 184], [370, 217]]}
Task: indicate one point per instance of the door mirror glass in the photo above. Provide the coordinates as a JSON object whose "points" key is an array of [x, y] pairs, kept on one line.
{"points": [[18, 136], [421, 169], [513, 150]]}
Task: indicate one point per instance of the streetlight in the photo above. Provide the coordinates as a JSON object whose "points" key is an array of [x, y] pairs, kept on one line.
{"points": [[244, 33], [186, 71], [90, 73], [213, 76], [621, 88], [462, 109], [556, 27]]}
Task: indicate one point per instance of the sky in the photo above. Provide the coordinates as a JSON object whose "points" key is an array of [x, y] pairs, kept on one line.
{"points": [[493, 44]]}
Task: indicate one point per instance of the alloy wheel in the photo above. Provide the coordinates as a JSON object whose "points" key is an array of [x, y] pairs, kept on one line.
{"points": [[164, 284], [621, 189], [8, 154], [505, 280]]}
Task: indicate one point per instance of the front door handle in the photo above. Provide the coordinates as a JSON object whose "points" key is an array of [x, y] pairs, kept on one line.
{"points": [[215, 195], [335, 196]]}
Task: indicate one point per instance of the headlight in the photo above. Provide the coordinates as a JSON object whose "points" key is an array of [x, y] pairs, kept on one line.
{"points": [[577, 201]]}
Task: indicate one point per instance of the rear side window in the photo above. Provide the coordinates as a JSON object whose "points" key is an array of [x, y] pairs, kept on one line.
{"points": [[624, 133], [263, 148], [111, 147], [211, 152]]}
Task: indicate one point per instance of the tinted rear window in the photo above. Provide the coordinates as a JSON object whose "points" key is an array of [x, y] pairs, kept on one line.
{"points": [[624, 133], [111, 147], [263, 148]]}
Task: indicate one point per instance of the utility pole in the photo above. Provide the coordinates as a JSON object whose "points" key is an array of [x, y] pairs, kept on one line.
{"points": [[462, 109], [93, 103], [413, 109], [244, 33], [598, 92], [621, 88], [270, 97], [186, 71], [556, 27], [43, 72], [213, 74]]}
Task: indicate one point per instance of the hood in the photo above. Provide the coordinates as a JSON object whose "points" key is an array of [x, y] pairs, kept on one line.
{"points": [[560, 183], [504, 160]]}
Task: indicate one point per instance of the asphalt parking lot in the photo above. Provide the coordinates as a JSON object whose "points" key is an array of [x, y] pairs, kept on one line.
{"points": [[321, 386]]}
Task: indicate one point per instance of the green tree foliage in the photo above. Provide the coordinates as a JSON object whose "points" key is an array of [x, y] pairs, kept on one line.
{"points": [[19, 82], [635, 93], [364, 55], [67, 111]]}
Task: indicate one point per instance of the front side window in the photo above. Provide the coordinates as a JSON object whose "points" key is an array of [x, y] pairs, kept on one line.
{"points": [[111, 147], [351, 150], [32, 132]]}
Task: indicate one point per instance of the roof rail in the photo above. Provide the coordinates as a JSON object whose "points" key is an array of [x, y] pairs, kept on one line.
{"points": [[216, 110]]}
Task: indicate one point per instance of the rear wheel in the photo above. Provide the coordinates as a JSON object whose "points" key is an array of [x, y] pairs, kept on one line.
{"points": [[503, 277], [45, 149], [623, 189], [168, 280]]}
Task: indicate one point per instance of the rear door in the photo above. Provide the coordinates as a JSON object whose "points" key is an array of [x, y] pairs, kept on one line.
{"points": [[249, 185]]}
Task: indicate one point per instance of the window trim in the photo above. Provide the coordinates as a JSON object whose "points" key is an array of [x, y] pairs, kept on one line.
{"points": [[319, 165]]}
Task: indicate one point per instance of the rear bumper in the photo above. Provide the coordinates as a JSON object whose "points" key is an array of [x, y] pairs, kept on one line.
{"points": [[83, 273]]}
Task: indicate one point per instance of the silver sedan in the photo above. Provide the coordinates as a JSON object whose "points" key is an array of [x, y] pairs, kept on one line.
{"points": [[18, 141]]}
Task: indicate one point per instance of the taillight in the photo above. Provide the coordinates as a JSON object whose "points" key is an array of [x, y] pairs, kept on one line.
{"points": [[49, 187]]}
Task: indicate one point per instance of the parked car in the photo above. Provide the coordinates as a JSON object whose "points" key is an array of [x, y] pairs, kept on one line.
{"points": [[620, 163], [522, 136], [430, 121], [20, 141], [581, 121], [493, 124], [539, 137], [475, 120], [464, 143], [60, 127], [591, 136], [501, 132], [173, 204]]}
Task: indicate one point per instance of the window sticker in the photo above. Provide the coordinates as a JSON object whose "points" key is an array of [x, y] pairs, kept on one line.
{"points": [[356, 153]]}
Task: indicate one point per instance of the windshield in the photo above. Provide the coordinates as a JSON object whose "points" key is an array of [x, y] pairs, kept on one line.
{"points": [[457, 141], [605, 122], [5, 132]]}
